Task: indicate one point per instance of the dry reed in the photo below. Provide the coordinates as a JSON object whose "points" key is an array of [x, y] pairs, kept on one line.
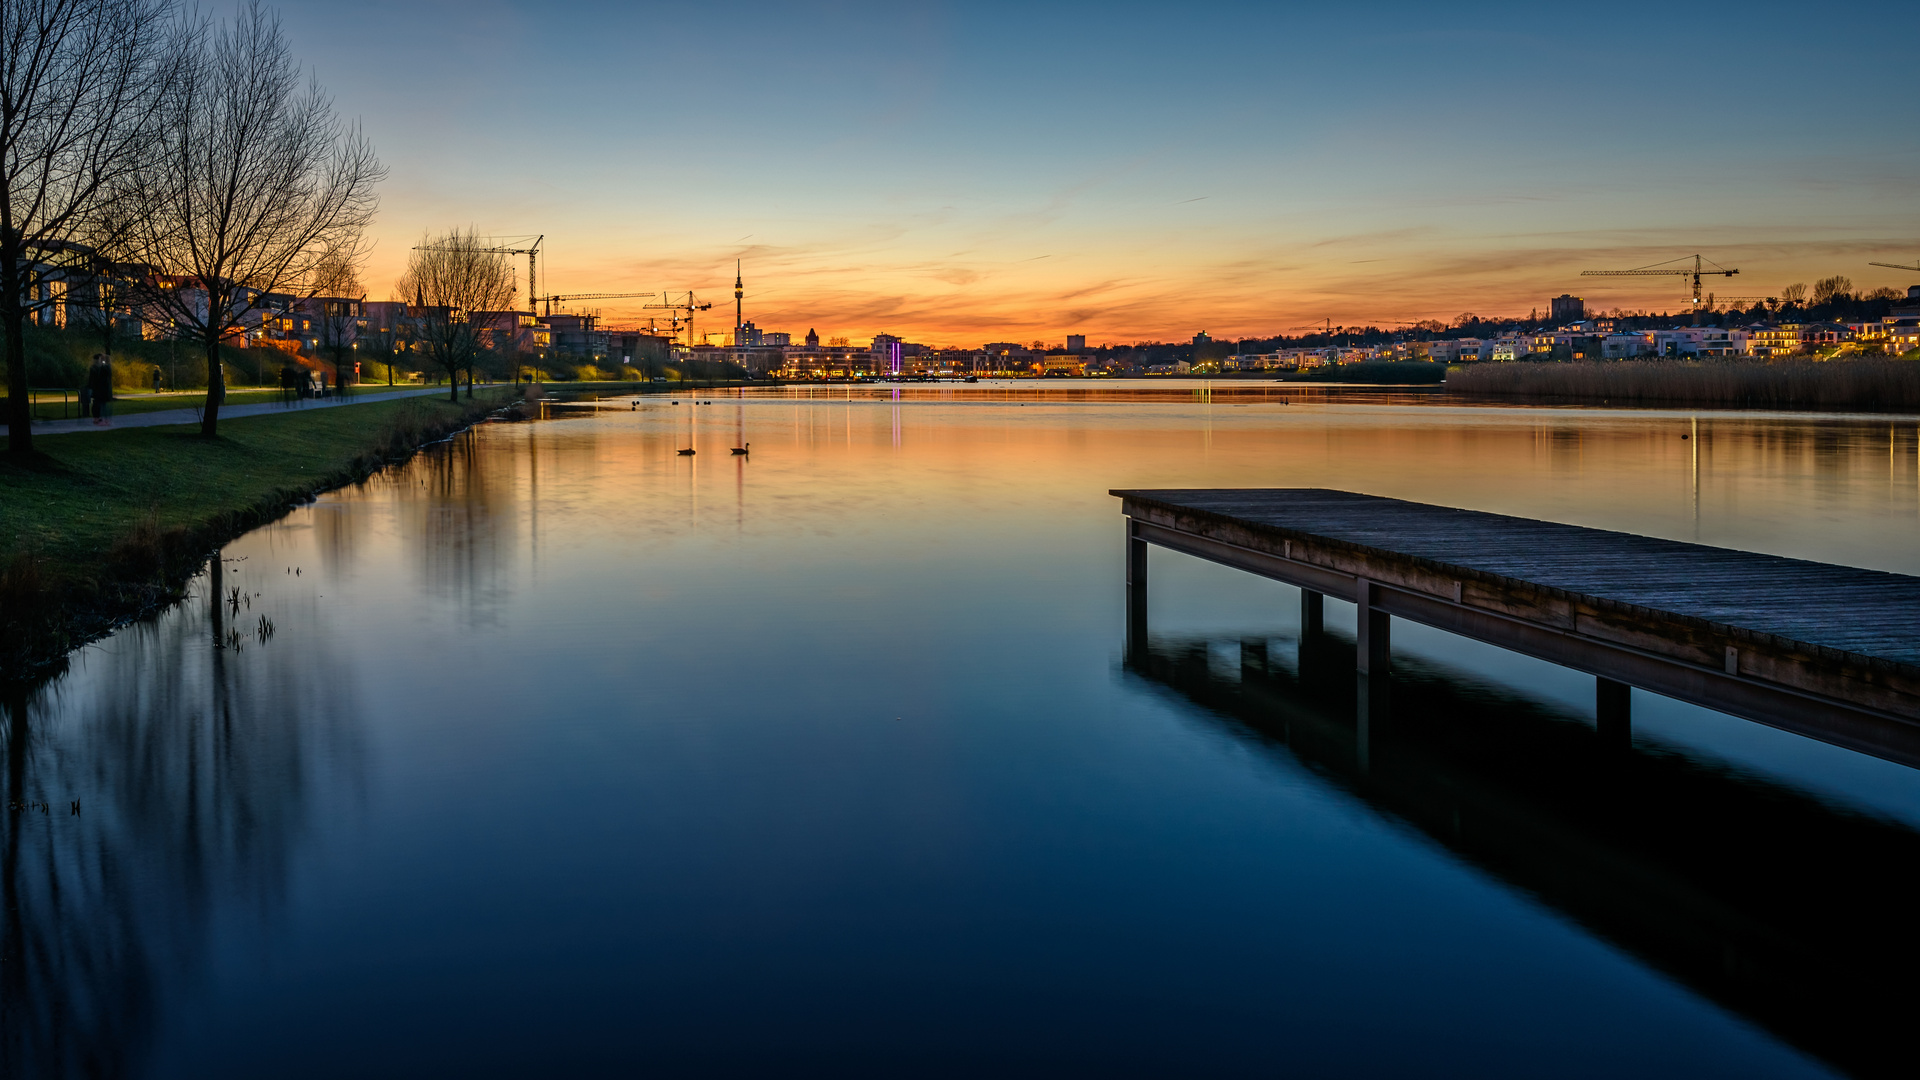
{"points": [[1869, 384]]}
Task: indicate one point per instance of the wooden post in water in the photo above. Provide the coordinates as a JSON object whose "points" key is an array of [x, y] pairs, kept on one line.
{"points": [[1136, 594], [1372, 634], [1313, 613], [1613, 712], [1372, 649]]}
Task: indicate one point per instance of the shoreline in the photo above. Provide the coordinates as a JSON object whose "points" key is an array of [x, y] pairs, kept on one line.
{"points": [[60, 592]]}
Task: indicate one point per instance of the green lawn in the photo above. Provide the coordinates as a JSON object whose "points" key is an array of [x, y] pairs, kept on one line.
{"points": [[82, 494]]}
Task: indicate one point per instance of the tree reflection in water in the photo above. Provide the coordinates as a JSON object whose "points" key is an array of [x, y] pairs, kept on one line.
{"points": [[193, 767], [1781, 907]]}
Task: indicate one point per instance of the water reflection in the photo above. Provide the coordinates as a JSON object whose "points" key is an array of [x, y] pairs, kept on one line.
{"points": [[1784, 908], [459, 531], [168, 786], [753, 737]]}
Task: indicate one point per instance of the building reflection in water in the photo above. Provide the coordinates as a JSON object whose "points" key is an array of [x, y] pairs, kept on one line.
{"points": [[192, 767], [1789, 911]]}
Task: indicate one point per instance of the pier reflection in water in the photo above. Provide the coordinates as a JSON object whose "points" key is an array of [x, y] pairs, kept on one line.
{"points": [[1788, 910]]}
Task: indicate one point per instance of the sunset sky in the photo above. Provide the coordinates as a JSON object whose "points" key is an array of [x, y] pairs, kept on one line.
{"points": [[957, 173]]}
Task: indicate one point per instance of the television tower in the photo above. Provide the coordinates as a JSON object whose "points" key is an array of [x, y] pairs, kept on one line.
{"points": [[737, 322]]}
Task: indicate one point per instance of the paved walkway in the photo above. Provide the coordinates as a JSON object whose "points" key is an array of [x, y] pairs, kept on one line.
{"points": [[160, 417]]}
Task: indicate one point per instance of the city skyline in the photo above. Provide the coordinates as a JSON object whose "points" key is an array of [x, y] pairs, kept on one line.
{"points": [[1019, 174]]}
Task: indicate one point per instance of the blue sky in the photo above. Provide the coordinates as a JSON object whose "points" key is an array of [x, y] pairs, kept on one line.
{"points": [[960, 173]]}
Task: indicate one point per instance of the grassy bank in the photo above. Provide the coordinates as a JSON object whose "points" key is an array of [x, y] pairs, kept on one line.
{"points": [[99, 529], [1796, 384]]}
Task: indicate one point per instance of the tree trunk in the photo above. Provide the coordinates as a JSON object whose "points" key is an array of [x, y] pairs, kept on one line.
{"points": [[216, 390], [453, 383], [14, 314]]}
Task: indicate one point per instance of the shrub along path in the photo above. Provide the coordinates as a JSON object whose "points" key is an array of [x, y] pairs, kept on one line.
{"points": [[97, 532]]}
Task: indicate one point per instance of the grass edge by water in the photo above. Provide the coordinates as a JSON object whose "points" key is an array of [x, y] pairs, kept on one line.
{"points": [[100, 530]]}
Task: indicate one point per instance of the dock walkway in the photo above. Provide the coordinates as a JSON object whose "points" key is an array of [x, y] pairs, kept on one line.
{"points": [[1832, 652]]}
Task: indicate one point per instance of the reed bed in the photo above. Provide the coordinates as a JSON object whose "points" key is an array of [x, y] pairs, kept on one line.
{"points": [[1869, 384]]}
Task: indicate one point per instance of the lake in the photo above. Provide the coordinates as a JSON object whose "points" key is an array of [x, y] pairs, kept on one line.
{"points": [[556, 752]]}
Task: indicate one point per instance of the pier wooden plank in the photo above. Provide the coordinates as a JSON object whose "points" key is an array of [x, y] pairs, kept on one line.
{"points": [[1868, 612], [1731, 625]]}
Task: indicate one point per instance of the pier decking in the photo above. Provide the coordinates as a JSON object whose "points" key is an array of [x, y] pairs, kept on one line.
{"points": [[1830, 652]]}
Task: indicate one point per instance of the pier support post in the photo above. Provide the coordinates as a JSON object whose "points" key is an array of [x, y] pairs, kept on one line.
{"points": [[1372, 648], [1372, 633], [1613, 712], [1136, 594], [1313, 609]]}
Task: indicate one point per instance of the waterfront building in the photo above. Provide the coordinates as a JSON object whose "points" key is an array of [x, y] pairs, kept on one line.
{"points": [[1901, 335], [1825, 334], [1507, 349], [575, 335], [1626, 346], [1700, 341], [1004, 356], [512, 331], [1768, 339], [1076, 343], [1566, 309]]}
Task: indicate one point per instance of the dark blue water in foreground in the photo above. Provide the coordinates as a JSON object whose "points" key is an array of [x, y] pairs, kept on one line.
{"points": [[567, 755]]}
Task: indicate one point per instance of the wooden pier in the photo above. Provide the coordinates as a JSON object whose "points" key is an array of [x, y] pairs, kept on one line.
{"points": [[1829, 652]]}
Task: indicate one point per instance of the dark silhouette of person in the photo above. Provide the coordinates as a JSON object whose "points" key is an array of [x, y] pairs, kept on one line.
{"points": [[100, 383]]}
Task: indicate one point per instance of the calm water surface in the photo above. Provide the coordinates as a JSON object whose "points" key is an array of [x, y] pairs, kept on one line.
{"points": [[568, 755]]}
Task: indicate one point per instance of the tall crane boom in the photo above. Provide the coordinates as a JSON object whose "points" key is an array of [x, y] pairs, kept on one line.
{"points": [[511, 245], [1897, 266], [687, 304], [558, 299], [1661, 270]]}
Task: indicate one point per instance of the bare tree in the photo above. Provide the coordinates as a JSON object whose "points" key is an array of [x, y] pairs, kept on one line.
{"points": [[76, 79], [1829, 289], [255, 181], [1795, 293], [335, 281], [447, 280]]}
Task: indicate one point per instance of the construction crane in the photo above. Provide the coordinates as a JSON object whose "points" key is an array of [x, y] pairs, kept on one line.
{"points": [[509, 245], [688, 304], [1660, 270], [1897, 266], [558, 299], [1324, 326]]}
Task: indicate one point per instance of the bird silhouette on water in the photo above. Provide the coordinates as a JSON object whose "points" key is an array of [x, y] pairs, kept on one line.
{"points": [[742, 449]]}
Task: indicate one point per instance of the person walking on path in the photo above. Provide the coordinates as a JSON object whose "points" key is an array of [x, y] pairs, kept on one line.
{"points": [[100, 382]]}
